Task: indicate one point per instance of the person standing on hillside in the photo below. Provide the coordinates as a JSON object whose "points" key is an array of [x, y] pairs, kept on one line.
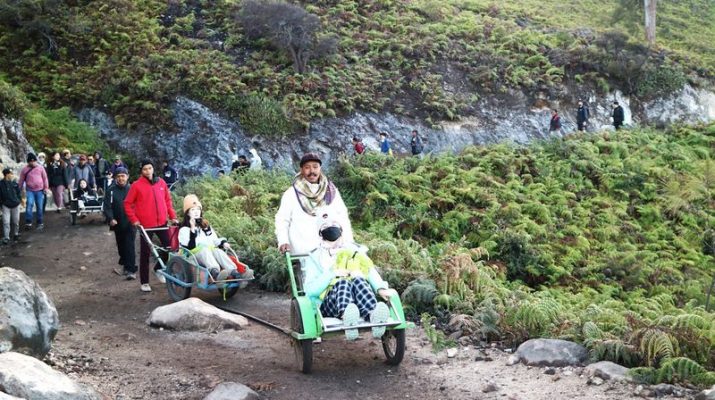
{"points": [[416, 143], [310, 196], [582, 115], [241, 165], [56, 175], [555, 123], [256, 162], [118, 163], [385, 147], [33, 180], [10, 198], [148, 203], [358, 146], [171, 176], [618, 115], [124, 232]]}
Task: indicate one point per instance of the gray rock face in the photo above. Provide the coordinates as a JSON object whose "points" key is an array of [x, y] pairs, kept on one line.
{"points": [[708, 394], [551, 353], [13, 144], [607, 370], [205, 140], [232, 391], [26, 377], [4, 396], [193, 314], [28, 318]]}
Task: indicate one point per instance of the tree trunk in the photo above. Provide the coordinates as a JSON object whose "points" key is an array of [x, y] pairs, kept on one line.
{"points": [[650, 7]]}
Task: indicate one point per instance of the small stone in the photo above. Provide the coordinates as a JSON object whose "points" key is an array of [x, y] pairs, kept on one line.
{"points": [[512, 360], [490, 387], [550, 371], [451, 352], [555, 378], [83, 268], [567, 373], [79, 322], [596, 381]]}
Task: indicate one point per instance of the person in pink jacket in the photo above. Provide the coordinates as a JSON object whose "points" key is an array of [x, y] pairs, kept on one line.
{"points": [[33, 181]]}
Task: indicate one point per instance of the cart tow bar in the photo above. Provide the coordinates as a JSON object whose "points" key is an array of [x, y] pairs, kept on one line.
{"points": [[254, 318]]}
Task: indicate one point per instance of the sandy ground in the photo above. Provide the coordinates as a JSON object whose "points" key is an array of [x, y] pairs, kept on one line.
{"points": [[104, 341]]}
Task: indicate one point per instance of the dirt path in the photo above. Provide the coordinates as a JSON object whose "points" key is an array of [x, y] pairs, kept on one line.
{"points": [[104, 341]]}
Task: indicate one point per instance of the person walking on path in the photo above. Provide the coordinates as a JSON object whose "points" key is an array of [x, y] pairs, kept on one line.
{"points": [[56, 175], [10, 198], [124, 232], [416, 143], [118, 163], [83, 170], [385, 147], [33, 180], [310, 196], [555, 123], [148, 203], [618, 115], [358, 146], [582, 115]]}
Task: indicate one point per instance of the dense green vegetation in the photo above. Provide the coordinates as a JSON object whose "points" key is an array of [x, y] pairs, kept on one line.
{"points": [[428, 58], [603, 239]]}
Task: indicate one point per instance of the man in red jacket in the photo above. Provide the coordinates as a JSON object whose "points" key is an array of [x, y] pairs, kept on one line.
{"points": [[148, 203]]}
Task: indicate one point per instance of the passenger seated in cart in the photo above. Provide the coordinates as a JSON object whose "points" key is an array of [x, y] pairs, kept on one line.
{"points": [[343, 281], [204, 243], [85, 195]]}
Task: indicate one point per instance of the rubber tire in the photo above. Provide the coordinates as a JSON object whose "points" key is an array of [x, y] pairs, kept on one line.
{"points": [[303, 348], [181, 270], [229, 293], [393, 344]]}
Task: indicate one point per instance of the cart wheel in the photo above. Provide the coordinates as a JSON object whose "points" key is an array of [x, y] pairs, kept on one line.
{"points": [[181, 270], [230, 292], [73, 218], [303, 348], [393, 343]]}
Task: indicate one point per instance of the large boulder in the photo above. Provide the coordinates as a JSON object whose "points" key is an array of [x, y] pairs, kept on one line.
{"points": [[28, 318], [193, 314], [708, 394], [551, 353], [232, 391], [607, 370], [28, 378], [13, 144]]}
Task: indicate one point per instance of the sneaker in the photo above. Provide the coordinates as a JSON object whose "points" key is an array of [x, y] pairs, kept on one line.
{"points": [[159, 276], [6, 240], [130, 276], [28, 226], [351, 317], [40, 227], [379, 316], [16, 237], [145, 287]]}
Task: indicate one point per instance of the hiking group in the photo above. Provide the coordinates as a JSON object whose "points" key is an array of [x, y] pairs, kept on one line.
{"points": [[583, 115]]}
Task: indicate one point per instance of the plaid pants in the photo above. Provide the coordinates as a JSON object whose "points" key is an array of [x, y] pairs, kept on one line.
{"points": [[344, 292]]}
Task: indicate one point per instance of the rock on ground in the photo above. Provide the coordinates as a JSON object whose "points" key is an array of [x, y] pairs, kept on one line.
{"points": [[28, 318], [4, 396], [26, 377], [232, 391], [608, 370], [708, 394], [193, 314], [551, 353]]}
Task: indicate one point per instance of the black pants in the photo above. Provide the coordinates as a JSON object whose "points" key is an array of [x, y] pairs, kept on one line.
{"points": [[618, 125], [145, 252], [125, 247], [581, 126]]}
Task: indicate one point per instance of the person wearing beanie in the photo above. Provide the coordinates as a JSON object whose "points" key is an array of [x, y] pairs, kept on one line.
{"points": [[33, 181], [207, 246], [124, 232], [10, 198], [147, 204], [310, 196], [171, 176]]}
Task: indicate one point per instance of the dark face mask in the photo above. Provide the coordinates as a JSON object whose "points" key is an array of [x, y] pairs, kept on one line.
{"points": [[331, 234]]}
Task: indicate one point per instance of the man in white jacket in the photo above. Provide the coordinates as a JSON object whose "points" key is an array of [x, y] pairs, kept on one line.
{"points": [[311, 197]]}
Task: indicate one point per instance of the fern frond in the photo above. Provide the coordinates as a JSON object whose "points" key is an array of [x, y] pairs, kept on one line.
{"points": [[657, 345]]}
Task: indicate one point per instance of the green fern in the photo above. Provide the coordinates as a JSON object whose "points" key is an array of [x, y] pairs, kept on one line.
{"points": [[656, 345]]}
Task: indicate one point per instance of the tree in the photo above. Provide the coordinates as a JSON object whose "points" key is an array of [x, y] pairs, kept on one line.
{"points": [[288, 27], [628, 9], [650, 8]]}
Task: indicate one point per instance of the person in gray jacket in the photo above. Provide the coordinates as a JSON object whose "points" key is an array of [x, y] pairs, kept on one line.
{"points": [[84, 171]]}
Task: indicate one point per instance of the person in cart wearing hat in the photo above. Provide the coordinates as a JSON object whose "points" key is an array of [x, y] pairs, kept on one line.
{"points": [[310, 196], [147, 204], [124, 232]]}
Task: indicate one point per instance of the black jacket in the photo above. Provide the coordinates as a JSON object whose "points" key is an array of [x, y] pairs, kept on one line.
{"points": [[10, 194], [618, 116], [114, 204], [582, 114], [56, 174]]}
